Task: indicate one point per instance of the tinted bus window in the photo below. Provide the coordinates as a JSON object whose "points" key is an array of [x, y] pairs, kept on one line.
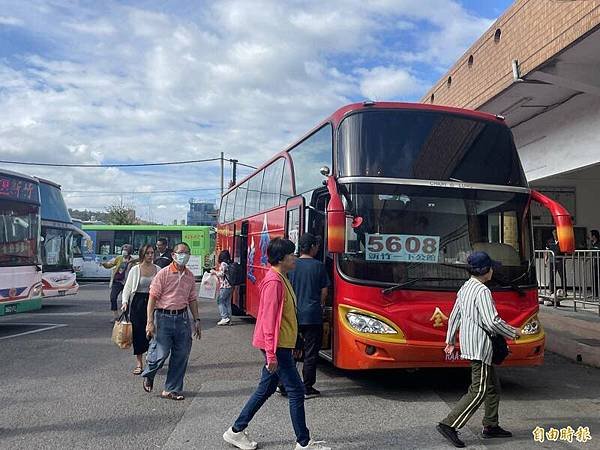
{"points": [[53, 204], [122, 237], [271, 187], [253, 195], [240, 201], [428, 146], [222, 209], [309, 156], [141, 238], [230, 206], [286, 185]]}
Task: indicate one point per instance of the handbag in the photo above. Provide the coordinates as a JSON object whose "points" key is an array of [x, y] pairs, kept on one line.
{"points": [[122, 334], [500, 348]]}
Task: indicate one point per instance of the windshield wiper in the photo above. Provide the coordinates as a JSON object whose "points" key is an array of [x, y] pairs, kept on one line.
{"points": [[407, 283]]}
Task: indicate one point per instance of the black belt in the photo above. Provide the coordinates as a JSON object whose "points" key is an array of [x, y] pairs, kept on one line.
{"points": [[171, 312]]}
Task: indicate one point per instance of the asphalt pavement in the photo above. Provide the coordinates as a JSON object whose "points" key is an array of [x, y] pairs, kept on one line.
{"points": [[63, 384]]}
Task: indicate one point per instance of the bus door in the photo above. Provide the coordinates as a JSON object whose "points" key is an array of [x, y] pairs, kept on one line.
{"points": [[294, 218], [240, 255], [317, 225]]}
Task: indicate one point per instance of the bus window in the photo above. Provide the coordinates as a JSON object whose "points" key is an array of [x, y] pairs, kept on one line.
{"points": [[240, 201], [230, 206], [121, 238], [222, 209], [271, 187], [309, 156], [253, 195], [142, 237], [104, 248], [286, 185]]}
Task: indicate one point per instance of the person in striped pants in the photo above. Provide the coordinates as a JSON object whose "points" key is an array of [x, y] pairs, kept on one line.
{"points": [[475, 314]]}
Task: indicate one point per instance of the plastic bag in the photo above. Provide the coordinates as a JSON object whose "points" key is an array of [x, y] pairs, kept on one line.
{"points": [[122, 334], [209, 286]]}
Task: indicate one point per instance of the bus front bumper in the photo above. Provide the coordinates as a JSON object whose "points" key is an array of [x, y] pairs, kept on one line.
{"points": [[358, 353]]}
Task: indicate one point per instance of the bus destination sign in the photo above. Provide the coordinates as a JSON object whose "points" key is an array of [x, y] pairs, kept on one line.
{"points": [[14, 188], [402, 248]]}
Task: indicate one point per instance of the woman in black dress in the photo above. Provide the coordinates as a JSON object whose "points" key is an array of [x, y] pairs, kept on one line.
{"points": [[135, 297]]}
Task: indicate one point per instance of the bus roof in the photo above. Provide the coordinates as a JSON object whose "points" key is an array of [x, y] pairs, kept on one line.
{"points": [[92, 227], [51, 183], [19, 175], [342, 112]]}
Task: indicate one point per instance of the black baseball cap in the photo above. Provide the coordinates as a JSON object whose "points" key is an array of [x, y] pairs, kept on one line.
{"points": [[480, 262]]}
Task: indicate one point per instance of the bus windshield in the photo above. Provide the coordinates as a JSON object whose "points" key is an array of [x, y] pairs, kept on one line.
{"points": [[428, 145], [19, 226], [57, 249], [425, 234]]}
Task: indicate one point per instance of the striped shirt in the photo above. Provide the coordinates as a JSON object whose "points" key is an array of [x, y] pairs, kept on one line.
{"points": [[473, 312]]}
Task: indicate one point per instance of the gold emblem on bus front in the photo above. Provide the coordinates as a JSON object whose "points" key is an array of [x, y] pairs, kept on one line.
{"points": [[438, 318]]}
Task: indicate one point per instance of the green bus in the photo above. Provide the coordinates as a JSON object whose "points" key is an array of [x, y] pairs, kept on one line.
{"points": [[106, 242]]}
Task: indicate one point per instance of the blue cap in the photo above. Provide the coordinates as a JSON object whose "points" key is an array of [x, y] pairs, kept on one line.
{"points": [[480, 262]]}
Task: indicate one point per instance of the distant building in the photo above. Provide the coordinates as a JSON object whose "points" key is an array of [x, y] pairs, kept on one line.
{"points": [[202, 213]]}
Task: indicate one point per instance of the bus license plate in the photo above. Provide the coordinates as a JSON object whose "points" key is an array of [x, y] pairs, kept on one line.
{"points": [[62, 293], [10, 309]]}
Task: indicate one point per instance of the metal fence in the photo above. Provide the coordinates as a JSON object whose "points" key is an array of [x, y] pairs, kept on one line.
{"points": [[567, 280]]}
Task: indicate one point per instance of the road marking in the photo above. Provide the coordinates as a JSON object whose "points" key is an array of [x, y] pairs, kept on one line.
{"points": [[82, 313], [47, 327]]}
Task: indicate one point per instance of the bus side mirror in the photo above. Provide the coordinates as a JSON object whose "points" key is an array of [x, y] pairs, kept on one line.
{"points": [[336, 219], [562, 220]]}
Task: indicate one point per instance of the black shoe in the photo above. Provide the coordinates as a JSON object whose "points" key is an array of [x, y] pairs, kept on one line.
{"points": [[451, 434], [281, 390], [311, 392], [495, 432]]}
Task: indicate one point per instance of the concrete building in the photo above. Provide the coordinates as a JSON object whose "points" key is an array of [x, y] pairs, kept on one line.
{"points": [[538, 66], [202, 213]]}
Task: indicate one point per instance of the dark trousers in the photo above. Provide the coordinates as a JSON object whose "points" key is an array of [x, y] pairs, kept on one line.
{"points": [[138, 313], [289, 376], [313, 335], [558, 268], [485, 387], [115, 290]]}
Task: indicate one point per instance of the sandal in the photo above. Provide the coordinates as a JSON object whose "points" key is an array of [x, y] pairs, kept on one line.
{"points": [[148, 384], [172, 396], [137, 371]]}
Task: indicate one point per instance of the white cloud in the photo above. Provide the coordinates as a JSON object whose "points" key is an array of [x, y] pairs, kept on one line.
{"points": [[117, 83], [383, 83], [11, 21]]}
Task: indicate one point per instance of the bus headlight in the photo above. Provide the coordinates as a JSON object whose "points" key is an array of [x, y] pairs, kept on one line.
{"points": [[36, 291], [532, 326], [367, 324]]}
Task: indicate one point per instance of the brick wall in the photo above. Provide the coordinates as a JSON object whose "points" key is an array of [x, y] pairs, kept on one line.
{"points": [[531, 31]]}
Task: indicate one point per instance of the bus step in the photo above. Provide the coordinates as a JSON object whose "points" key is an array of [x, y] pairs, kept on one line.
{"points": [[326, 354]]}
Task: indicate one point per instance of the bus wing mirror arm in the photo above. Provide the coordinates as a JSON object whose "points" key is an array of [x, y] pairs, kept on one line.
{"points": [[562, 221]]}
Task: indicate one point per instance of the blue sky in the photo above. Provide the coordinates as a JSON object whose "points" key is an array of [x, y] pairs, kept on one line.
{"points": [[149, 81]]}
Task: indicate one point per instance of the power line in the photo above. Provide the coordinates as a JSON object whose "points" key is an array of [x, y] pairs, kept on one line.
{"points": [[145, 192], [168, 163]]}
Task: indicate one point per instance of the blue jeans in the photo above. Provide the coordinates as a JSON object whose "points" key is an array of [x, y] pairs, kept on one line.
{"points": [[290, 378], [224, 302], [173, 335]]}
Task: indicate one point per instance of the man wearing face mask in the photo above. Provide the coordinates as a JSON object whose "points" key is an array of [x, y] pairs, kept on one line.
{"points": [[172, 292], [119, 266]]}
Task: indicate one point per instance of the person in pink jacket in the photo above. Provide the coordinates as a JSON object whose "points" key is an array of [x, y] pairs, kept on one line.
{"points": [[275, 334]]}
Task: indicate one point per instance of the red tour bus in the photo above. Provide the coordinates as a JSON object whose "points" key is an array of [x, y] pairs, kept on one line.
{"points": [[401, 193]]}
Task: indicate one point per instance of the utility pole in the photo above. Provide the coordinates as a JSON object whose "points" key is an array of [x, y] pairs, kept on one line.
{"points": [[222, 172], [234, 172]]}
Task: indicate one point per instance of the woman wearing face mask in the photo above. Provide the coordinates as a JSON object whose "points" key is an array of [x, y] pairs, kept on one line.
{"points": [[119, 265], [135, 298]]}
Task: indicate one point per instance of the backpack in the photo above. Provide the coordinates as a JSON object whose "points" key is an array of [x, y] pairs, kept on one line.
{"points": [[233, 274]]}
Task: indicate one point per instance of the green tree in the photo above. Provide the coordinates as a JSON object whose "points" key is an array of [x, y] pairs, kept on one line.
{"points": [[120, 214]]}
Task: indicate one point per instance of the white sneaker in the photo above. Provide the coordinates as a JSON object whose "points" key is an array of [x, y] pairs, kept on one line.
{"points": [[313, 445], [241, 440], [224, 322]]}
